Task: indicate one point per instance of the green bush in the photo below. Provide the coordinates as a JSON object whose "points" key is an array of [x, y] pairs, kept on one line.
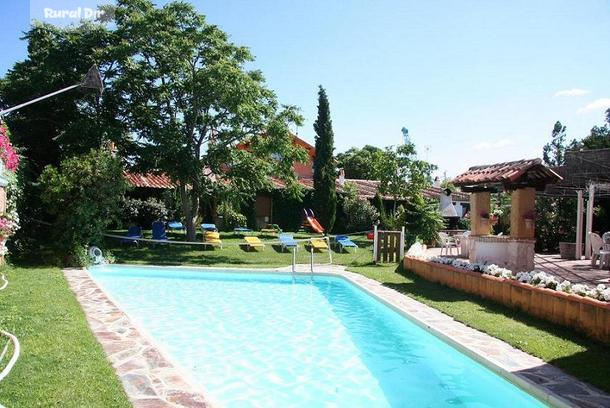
{"points": [[360, 214], [83, 195], [231, 217], [422, 220], [143, 212]]}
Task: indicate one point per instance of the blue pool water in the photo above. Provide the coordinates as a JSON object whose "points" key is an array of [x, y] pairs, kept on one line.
{"points": [[264, 340]]}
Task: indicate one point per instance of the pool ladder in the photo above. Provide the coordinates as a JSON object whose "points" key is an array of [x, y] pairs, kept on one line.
{"points": [[294, 262]]}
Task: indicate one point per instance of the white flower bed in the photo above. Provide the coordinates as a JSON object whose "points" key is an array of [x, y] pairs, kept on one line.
{"points": [[535, 278]]}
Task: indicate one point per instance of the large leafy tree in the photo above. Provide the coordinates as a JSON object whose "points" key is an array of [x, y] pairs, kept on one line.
{"points": [[553, 153], [62, 126], [401, 174], [324, 171], [187, 98], [360, 163]]}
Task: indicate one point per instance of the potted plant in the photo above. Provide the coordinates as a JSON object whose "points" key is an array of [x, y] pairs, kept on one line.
{"points": [[484, 216]]}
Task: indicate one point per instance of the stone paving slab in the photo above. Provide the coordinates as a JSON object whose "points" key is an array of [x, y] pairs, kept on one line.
{"points": [[149, 378], [152, 381]]}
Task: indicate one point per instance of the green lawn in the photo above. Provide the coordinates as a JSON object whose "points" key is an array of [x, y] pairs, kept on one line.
{"points": [[61, 363], [231, 254]]}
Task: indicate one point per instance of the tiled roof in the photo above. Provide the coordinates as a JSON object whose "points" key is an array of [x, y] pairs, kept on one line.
{"points": [[366, 188], [148, 180], [530, 171]]}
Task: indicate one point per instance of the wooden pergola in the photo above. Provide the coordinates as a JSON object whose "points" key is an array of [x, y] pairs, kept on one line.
{"points": [[585, 174]]}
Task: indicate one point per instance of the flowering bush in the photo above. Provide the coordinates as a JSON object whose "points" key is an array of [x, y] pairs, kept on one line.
{"points": [[458, 263], [495, 270], [9, 224], [535, 278], [9, 221], [7, 154]]}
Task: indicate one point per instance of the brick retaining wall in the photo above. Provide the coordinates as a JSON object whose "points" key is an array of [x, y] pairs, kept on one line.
{"points": [[586, 315]]}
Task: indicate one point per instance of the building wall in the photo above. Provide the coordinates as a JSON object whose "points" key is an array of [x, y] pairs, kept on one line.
{"points": [[263, 207]]}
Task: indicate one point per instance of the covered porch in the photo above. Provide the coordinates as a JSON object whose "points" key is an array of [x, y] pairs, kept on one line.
{"points": [[520, 180]]}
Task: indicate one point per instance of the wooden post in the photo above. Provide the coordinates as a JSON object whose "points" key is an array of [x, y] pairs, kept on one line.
{"points": [[479, 203], [402, 243], [579, 210], [523, 202], [375, 243], [589, 222]]}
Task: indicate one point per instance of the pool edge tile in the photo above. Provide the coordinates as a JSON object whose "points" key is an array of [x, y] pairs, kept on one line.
{"points": [[149, 378]]}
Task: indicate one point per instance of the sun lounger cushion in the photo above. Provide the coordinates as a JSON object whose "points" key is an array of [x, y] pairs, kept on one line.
{"points": [[135, 231], [212, 238], [344, 241], [318, 243], [158, 231], [254, 242], [287, 241], [175, 225]]}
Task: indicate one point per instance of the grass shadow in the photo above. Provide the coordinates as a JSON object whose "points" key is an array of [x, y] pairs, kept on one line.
{"points": [[571, 351]]}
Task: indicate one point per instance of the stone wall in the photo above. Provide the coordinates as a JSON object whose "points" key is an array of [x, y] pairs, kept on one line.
{"points": [[507, 252]]}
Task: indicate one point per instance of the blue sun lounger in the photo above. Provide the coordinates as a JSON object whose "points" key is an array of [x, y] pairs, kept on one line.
{"points": [[241, 230], [158, 231], [287, 241], [343, 242], [175, 225], [135, 231]]}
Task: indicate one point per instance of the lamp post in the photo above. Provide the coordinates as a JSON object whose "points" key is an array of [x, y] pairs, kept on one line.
{"points": [[92, 80]]}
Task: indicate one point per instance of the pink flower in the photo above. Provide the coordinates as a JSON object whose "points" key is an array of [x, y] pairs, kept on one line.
{"points": [[7, 153]]}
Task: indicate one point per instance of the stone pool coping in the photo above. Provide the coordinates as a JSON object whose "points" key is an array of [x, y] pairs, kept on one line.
{"points": [[152, 380]]}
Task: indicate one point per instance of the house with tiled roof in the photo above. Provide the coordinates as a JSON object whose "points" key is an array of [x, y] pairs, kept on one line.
{"points": [[266, 207]]}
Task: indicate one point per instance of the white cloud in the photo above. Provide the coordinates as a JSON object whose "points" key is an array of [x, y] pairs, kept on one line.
{"points": [[493, 145], [598, 104], [572, 92]]}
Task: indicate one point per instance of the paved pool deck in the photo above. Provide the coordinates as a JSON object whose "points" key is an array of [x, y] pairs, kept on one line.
{"points": [[151, 380], [574, 270]]}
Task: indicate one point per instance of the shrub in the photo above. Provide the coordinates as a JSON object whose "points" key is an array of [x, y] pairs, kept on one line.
{"points": [[360, 214], [230, 216], [143, 212], [422, 220], [84, 195]]}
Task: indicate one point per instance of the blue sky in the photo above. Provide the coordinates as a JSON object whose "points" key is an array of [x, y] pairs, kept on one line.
{"points": [[474, 82]]}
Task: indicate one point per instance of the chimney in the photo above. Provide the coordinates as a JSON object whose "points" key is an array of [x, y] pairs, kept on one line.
{"points": [[437, 182], [341, 177]]}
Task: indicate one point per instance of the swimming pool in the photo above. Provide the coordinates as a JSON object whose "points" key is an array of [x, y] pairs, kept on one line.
{"points": [[264, 339]]}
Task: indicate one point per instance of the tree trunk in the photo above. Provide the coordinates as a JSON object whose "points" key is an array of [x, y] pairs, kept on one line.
{"points": [[190, 210]]}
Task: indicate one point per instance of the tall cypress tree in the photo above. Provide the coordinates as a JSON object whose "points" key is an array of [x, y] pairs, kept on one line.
{"points": [[324, 173]]}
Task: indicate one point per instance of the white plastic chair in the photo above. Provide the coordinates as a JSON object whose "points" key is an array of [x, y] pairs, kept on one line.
{"points": [[597, 251], [447, 243]]}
